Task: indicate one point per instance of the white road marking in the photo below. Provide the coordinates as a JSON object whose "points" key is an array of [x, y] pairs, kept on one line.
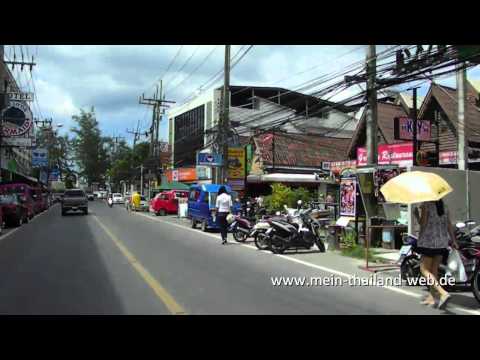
{"points": [[314, 266]]}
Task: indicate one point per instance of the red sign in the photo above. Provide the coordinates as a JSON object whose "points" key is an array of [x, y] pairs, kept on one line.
{"points": [[404, 129], [187, 174], [395, 154]]}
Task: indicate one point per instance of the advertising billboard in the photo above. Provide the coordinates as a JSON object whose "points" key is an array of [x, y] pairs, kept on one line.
{"points": [[206, 159], [348, 192], [236, 163]]}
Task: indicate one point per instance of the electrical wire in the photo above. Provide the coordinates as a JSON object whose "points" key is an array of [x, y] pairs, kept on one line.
{"points": [[196, 69], [182, 67]]}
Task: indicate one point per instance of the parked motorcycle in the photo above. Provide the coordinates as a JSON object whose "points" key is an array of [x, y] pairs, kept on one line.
{"points": [[242, 228], [296, 232], [261, 238]]}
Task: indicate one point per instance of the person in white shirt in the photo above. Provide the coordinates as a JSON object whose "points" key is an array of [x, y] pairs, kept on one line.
{"points": [[223, 206]]}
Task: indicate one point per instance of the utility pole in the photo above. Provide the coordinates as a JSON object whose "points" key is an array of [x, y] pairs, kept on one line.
{"points": [[157, 102], [141, 179], [225, 130], [462, 153], [3, 103], [372, 114], [136, 134], [415, 126]]}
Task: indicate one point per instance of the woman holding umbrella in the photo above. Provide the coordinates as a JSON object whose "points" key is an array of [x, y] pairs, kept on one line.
{"points": [[436, 231]]}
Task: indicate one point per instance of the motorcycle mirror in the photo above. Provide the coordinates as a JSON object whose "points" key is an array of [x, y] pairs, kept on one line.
{"points": [[460, 225]]}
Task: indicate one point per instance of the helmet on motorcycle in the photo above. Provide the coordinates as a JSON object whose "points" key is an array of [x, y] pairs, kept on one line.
{"points": [[230, 218]]}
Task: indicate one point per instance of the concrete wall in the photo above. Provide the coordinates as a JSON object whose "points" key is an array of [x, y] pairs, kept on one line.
{"points": [[457, 200]]}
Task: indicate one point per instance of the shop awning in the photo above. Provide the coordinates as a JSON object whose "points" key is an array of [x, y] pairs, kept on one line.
{"points": [[174, 185], [286, 178]]}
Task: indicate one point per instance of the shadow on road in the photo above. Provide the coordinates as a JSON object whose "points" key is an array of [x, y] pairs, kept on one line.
{"points": [[52, 266]]}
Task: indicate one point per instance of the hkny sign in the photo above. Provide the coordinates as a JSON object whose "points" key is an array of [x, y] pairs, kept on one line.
{"points": [[403, 129]]}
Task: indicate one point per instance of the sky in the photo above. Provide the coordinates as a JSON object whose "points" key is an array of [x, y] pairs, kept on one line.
{"points": [[111, 78]]}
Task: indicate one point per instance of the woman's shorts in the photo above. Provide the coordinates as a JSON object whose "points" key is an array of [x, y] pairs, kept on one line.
{"points": [[431, 252]]}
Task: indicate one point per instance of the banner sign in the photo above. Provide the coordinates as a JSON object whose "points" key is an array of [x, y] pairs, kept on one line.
{"points": [[403, 129], [339, 166], [395, 154], [236, 163], [17, 119], [206, 159], [13, 96], [348, 194], [450, 158], [39, 157]]}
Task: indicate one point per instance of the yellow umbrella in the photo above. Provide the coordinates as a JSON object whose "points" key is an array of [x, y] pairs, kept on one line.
{"points": [[415, 187]]}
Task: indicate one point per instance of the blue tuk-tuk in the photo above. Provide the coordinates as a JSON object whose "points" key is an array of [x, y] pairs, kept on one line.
{"points": [[202, 199]]}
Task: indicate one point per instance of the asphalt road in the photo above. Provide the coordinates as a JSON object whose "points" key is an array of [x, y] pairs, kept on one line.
{"points": [[113, 262]]}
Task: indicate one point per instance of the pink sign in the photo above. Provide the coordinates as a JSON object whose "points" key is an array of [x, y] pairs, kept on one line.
{"points": [[448, 158], [395, 154], [405, 129]]}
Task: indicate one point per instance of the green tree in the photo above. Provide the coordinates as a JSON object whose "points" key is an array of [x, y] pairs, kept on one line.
{"points": [[90, 147]]}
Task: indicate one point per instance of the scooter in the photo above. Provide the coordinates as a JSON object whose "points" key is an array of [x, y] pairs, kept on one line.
{"points": [[297, 232], [110, 202], [469, 254]]}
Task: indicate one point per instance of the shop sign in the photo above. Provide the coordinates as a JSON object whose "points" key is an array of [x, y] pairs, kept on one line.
{"points": [[339, 166], [206, 159], [17, 119], [450, 158], [39, 157], [15, 96], [403, 129], [348, 194], [236, 184], [395, 154], [236, 163]]}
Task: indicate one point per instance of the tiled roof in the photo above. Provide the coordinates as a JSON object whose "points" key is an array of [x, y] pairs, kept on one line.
{"points": [[386, 113], [300, 150], [447, 99]]}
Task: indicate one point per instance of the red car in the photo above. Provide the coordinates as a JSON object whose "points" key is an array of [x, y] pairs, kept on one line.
{"points": [[166, 202], [13, 210], [25, 193]]}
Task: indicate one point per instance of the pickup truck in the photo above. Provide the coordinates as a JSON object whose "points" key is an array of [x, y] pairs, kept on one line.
{"points": [[74, 200]]}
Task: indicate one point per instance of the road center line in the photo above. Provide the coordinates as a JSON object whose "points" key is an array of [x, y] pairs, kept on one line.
{"points": [[158, 289], [305, 263]]}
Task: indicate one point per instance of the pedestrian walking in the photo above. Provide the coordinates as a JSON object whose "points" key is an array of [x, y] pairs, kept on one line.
{"points": [[436, 233], [223, 207]]}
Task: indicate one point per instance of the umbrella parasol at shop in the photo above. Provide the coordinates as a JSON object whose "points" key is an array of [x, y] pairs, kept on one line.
{"points": [[415, 187]]}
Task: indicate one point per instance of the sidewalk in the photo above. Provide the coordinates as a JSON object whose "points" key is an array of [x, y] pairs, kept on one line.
{"points": [[335, 262]]}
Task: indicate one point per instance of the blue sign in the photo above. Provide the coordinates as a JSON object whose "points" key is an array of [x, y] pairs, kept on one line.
{"points": [[205, 159], [54, 175], [39, 157]]}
